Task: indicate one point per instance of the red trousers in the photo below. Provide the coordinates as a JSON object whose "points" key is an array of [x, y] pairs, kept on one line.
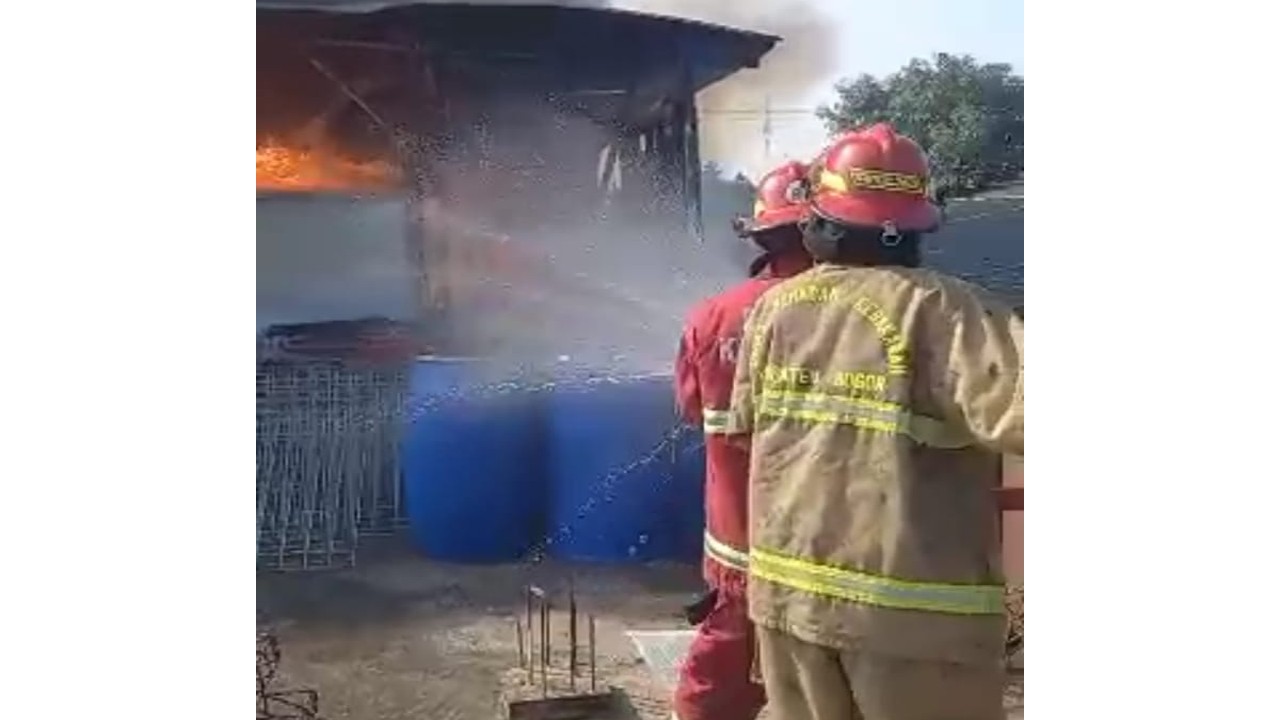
{"points": [[715, 679]]}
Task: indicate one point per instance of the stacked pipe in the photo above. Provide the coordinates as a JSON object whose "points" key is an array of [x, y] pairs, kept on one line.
{"points": [[327, 461]]}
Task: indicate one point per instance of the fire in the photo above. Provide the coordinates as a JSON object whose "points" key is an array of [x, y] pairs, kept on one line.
{"points": [[281, 167]]}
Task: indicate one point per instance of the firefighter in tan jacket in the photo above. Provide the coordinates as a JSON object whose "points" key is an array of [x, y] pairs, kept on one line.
{"points": [[877, 397]]}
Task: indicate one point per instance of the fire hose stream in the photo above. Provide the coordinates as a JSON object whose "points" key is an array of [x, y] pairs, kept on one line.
{"points": [[278, 704], [275, 703]]}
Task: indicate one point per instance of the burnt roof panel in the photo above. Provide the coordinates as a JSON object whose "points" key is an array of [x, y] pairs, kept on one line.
{"points": [[715, 51]]}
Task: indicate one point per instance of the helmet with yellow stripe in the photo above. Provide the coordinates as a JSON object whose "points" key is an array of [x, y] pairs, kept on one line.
{"points": [[780, 200], [875, 178]]}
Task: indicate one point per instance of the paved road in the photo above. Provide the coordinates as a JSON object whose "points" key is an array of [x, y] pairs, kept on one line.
{"points": [[982, 241]]}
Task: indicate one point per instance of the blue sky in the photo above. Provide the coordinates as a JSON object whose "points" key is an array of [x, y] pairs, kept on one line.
{"points": [[885, 34], [878, 38]]}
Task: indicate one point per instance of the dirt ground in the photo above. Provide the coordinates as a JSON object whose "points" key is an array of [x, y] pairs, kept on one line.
{"points": [[402, 637]]}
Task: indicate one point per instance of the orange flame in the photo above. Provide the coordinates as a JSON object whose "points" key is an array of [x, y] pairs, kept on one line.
{"points": [[281, 167]]}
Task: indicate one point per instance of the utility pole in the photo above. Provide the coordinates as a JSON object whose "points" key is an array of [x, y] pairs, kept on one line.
{"points": [[768, 128]]}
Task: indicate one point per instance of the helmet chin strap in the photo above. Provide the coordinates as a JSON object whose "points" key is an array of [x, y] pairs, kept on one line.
{"points": [[758, 265]]}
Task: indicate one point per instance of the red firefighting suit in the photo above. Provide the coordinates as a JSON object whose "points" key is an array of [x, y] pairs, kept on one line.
{"points": [[715, 681], [716, 678]]}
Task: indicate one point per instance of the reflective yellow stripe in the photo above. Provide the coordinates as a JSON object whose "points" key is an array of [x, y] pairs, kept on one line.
{"points": [[870, 179], [868, 589], [715, 422], [723, 553], [876, 415]]}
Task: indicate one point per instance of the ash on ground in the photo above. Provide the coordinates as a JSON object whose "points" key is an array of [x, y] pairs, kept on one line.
{"points": [[402, 637]]}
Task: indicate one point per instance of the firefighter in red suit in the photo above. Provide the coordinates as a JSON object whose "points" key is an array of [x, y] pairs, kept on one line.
{"points": [[716, 679]]}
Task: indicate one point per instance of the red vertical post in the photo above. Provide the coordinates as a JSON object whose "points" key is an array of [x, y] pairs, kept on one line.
{"points": [[1009, 497]]}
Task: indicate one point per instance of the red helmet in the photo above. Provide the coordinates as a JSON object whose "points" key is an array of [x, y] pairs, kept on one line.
{"points": [[874, 177], [780, 199]]}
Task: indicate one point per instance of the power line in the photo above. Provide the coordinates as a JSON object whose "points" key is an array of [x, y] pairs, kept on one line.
{"points": [[758, 111]]}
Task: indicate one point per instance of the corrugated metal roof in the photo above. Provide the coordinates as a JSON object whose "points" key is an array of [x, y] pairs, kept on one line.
{"points": [[368, 6], [375, 5], [568, 28]]}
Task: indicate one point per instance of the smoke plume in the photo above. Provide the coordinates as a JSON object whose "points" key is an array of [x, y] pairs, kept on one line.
{"points": [[805, 57]]}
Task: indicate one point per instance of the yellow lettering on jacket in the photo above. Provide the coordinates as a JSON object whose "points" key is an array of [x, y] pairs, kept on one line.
{"points": [[895, 345], [813, 293], [790, 377], [845, 383], [861, 381], [891, 338]]}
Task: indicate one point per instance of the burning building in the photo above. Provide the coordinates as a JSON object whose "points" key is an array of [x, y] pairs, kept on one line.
{"points": [[480, 179], [478, 169]]}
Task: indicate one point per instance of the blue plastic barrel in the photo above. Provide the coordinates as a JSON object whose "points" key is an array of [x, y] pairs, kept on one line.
{"points": [[617, 493], [691, 474], [474, 479]]}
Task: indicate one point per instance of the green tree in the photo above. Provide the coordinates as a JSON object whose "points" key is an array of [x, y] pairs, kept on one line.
{"points": [[967, 116]]}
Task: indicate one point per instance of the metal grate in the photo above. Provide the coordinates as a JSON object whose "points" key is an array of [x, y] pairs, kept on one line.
{"points": [[328, 468]]}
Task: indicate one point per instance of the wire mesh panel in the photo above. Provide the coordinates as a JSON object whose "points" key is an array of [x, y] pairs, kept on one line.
{"points": [[327, 461], [663, 651]]}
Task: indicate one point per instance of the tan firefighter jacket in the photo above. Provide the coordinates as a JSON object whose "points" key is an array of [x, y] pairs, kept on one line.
{"points": [[877, 400]]}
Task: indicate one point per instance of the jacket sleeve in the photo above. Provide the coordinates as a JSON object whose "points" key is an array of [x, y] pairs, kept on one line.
{"points": [[982, 370], [746, 375], [688, 392]]}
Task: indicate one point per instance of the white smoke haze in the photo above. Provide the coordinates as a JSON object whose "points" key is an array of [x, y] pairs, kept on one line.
{"points": [[592, 291], [610, 295], [804, 58], [635, 282]]}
